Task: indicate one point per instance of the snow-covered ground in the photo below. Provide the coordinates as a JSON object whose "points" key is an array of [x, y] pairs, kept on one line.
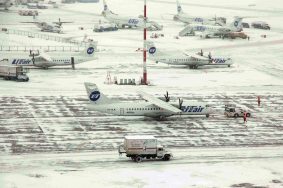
{"points": [[48, 138]]}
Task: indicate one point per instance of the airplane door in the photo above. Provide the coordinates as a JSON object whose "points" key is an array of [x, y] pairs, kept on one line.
{"points": [[121, 111]]}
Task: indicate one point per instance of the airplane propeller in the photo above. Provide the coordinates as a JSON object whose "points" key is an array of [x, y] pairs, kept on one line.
{"points": [[31, 53], [210, 59], [167, 98], [180, 103]]}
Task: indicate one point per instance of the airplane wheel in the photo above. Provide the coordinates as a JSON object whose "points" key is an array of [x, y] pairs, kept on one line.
{"points": [[229, 65], [236, 115], [207, 115], [248, 114]]}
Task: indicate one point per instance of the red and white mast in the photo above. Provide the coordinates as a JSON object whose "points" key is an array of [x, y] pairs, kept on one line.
{"points": [[144, 81]]}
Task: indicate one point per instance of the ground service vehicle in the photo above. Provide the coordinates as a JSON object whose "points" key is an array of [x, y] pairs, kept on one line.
{"points": [[141, 147], [245, 25], [233, 111], [234, 35], [105, 27], [13, 73], [261, 25], [28, 12]]}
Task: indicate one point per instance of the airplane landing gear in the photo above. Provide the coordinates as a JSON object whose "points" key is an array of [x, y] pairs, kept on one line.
{"points": [[193, 66]]}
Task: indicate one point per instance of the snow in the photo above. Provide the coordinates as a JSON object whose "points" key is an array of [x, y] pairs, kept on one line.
{"points": [[48, 138]]}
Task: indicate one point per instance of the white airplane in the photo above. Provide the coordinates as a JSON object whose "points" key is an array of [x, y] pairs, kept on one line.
{"points": [[43, 60], [127, 21], [188, 19], [208, 31], [151, 107], [5, 4], [181, 58], [54, 27]]}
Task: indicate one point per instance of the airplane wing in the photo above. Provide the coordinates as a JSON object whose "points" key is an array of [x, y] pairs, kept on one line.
{"points": [[45, 56], [158, 102]]}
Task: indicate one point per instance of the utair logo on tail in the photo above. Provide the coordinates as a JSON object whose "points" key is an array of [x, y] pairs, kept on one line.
{"points": [[152, 50], [90, 50], [94, 96], [236, 23]]}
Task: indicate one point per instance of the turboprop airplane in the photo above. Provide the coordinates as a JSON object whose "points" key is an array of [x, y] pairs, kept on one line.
{"points": [[192, 60], [152, 107], [43, 60], [188, 19], [5, 4], [208, 31], [127, 21], [54, 27]]}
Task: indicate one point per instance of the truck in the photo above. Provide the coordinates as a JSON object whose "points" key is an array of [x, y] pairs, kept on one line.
{"points": [[233, 111], [17, 73], [141, 147], [260, 25], [234, 35]]}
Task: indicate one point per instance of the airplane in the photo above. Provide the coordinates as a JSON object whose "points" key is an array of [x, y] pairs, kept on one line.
{"points": [[213, 31], [180, 58], [54, 27], [127, 21], [149, 107], [188, 19], [43, 60], [5, 4]]}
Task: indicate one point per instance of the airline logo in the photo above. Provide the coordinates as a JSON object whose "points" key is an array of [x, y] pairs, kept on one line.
{"points": [[200, 28], [21, 61], [94, 96], [218, 60], [192, 108], [179, 8], [152, 50], [133, 21], [236, 23], [198, 20], [90, 50]]}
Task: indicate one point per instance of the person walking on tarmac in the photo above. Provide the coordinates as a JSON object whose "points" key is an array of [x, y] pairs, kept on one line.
{"points": [[245, 117], [258, 100]]}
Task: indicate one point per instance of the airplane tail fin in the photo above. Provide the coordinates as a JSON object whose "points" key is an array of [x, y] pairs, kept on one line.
{"points": [[151, 49], [179, 8], [105, 8], [89, 50], [94, 95], [237, 24]]}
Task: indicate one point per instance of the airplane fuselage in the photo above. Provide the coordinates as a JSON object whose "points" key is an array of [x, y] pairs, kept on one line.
{"points": [[181, 60], [123, 21], [25, 60], [185, 18], [148, 109], [131, 109]]}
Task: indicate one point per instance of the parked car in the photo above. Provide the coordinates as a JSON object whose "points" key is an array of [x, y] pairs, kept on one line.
{"points": [[245, 25]]}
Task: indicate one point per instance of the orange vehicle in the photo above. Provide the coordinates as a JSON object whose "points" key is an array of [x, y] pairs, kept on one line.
{"points": [[234, 35]]}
